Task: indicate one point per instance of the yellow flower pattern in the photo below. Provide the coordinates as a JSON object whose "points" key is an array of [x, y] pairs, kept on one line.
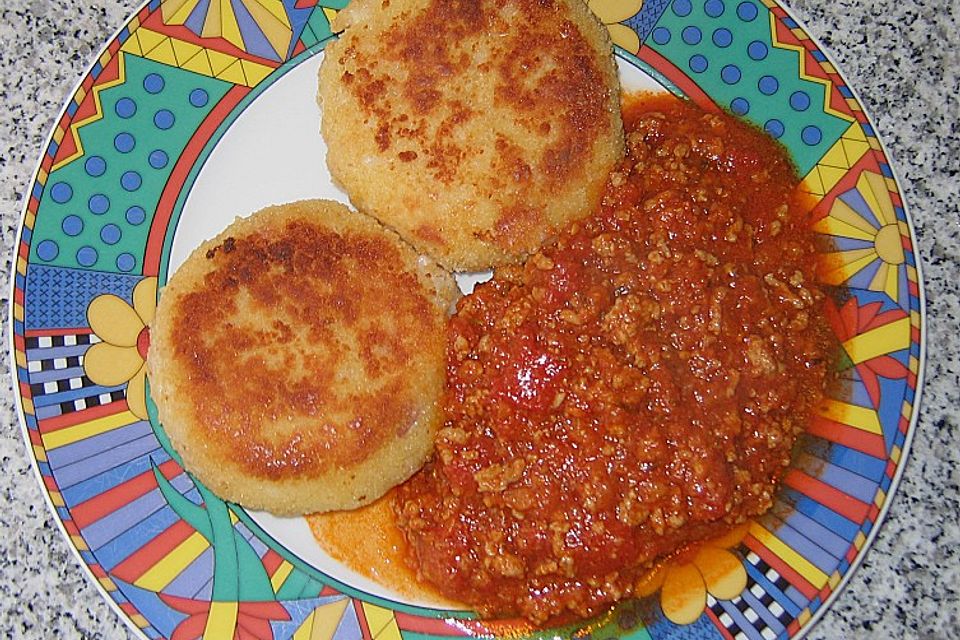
{"points": [[685, 579], [120, 356], [866, 215], [611, 13]]}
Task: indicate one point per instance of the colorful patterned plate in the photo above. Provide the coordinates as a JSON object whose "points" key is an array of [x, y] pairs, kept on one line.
{"points": [[197, 111]]}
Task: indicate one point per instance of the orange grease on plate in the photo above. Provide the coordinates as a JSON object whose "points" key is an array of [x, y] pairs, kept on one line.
{"points": [[368, 542]]}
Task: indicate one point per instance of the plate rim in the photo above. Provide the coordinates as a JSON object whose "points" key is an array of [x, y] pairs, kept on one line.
{"points": [[905, 457], [64, 536], [816, 616]]}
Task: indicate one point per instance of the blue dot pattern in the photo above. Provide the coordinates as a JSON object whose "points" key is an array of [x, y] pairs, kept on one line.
{"points": [[125, 108], [72, 225], [774, 127], [97, 208], [799, 101], [692, 35], [164, 119], [768, 85], [153, 83], [95, 166], [98, 204], [714, 8], [110, 233], [747, 11], [722, 38], [135, 215], [199, 98], [811, 134], [124, 142], [757, 50], [731, 74], [158, 159], [87, 256], [48, 250], [698, 63], [727, 48], [61, 192], [126, 262], [131, 181]]}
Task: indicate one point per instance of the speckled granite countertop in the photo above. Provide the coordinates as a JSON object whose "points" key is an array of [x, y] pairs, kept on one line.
{"points": [[902, 57]]}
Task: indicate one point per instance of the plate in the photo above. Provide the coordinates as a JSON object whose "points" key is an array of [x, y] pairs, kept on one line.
{"points": [[196, 112]]}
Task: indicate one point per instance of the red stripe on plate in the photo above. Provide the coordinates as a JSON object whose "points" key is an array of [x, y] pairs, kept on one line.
{"points": [[868, 443], [827, 495], [271, 561], [186, 161], [144, 558], [70, 331], [674, 75], [79, 417], [71, 528], [103, 504], [432, 626], [361, 620]]}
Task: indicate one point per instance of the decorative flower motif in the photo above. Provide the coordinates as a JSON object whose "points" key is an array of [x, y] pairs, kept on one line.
{"points": [[611, 13], [870, 239], [125, 337], [868, 335], [237, 620], [684, 580]]}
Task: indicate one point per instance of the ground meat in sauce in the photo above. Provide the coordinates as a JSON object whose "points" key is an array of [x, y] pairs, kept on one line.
{"points": [[632, 388]]}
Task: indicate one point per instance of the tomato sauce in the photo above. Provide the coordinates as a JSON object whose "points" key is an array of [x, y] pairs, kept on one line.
{"points": [[635, 386]]}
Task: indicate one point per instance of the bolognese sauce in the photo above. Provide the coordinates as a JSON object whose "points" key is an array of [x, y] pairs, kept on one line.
{"points": [[633, 387]]}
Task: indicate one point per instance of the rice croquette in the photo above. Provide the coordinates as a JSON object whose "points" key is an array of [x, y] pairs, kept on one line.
{"points": [[474, 128], [297, 359]]}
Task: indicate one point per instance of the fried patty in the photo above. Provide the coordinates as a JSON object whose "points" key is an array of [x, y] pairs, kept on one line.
{"points": [[475, 128], [297, 359]]}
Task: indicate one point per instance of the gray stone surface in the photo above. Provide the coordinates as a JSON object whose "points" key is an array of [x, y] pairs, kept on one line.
{"points": [[902, 58]]}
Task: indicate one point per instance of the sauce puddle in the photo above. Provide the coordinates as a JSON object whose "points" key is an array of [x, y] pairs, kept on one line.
{"points": [[368, 541]]}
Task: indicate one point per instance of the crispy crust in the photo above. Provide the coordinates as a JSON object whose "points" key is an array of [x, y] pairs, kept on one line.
{"points": [[297, 359], [475, 128]]}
